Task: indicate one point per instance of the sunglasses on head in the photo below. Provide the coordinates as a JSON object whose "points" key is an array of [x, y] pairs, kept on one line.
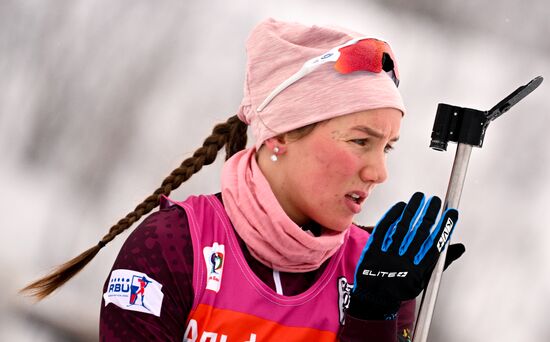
{"points": [[359, 54]]}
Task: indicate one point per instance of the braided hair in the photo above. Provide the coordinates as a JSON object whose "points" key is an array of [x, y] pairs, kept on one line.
{"points": [[231, 134]]}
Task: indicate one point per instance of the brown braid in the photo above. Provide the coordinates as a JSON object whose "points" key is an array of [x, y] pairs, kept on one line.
{"points": [[232, 134]]}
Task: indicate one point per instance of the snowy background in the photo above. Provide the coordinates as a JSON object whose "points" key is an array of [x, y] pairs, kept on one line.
{"points": [[100, 100]]}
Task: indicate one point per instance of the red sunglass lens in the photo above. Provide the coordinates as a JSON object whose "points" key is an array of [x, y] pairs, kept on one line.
{"points": [[369, 55], [360, 56]]}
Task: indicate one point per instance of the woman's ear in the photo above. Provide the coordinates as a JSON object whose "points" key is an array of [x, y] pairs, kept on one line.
{"points": [[276, 145]]}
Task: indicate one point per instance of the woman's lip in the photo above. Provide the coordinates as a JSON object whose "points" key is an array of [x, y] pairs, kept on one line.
{"points": [[353, 206], [362, 195]]}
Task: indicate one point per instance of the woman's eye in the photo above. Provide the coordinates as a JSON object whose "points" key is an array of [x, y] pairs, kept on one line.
{"points": [[365, 142], [360, 142]]}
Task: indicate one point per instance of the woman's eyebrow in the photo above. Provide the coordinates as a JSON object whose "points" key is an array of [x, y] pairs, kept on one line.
{"points": [[373, 132]]}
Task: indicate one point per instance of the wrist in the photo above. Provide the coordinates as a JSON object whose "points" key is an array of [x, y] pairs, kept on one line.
{"points": [[373, 308]]}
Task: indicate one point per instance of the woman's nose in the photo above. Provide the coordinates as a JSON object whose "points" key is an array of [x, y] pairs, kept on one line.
{"points": [[374, 169]]}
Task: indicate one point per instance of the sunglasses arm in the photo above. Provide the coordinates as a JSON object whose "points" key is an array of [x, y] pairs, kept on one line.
{"points": [[306, 69]]}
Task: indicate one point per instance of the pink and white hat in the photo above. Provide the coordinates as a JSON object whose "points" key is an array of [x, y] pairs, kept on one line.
{"points": [[291, 82]]}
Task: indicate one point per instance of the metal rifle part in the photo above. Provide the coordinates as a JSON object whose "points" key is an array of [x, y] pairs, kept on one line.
{"points": [[518, 95], [452, 199], [467, 128]]}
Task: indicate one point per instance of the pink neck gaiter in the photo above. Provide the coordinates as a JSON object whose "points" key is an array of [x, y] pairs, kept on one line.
{"points": [[271, 236]]}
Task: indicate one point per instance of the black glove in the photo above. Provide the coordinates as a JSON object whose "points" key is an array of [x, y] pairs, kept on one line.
{"points": [[397, 261], [454, 251]]}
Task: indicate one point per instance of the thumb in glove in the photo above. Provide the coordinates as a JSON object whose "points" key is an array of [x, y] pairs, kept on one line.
{"points": [[454, 251]]}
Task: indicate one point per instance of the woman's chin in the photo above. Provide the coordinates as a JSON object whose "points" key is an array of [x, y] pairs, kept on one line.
{"points": [[339, 225]]}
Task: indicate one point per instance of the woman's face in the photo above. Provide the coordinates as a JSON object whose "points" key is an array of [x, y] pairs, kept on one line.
{"points": [[327, 175]]}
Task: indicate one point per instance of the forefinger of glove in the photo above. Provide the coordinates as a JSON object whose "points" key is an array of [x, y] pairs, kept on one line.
{"points": [[383, 227], [416, 236], [396, 237]]}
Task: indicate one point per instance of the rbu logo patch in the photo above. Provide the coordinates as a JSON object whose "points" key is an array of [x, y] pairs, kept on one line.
{"points": [[135, 291]]}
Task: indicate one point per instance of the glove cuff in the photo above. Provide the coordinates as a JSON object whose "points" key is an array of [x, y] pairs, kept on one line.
{"points": [[372, 308]]}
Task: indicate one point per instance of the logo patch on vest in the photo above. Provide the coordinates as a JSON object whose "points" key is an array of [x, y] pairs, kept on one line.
{"points": [[344, 292], [135, 291], [214, 259]]}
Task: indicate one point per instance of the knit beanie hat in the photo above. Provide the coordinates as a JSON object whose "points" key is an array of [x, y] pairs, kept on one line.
{"points": [[276, 50]]}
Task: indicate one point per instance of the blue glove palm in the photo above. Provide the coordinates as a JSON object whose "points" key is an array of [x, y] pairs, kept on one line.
{"points": [[400, 256]]}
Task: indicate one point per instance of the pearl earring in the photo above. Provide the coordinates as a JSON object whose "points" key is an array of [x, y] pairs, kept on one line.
{"points": [[274, 155]]}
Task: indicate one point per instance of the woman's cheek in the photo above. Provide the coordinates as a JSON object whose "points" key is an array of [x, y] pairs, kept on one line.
{"points": [[343, 164], [337, 158]]}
